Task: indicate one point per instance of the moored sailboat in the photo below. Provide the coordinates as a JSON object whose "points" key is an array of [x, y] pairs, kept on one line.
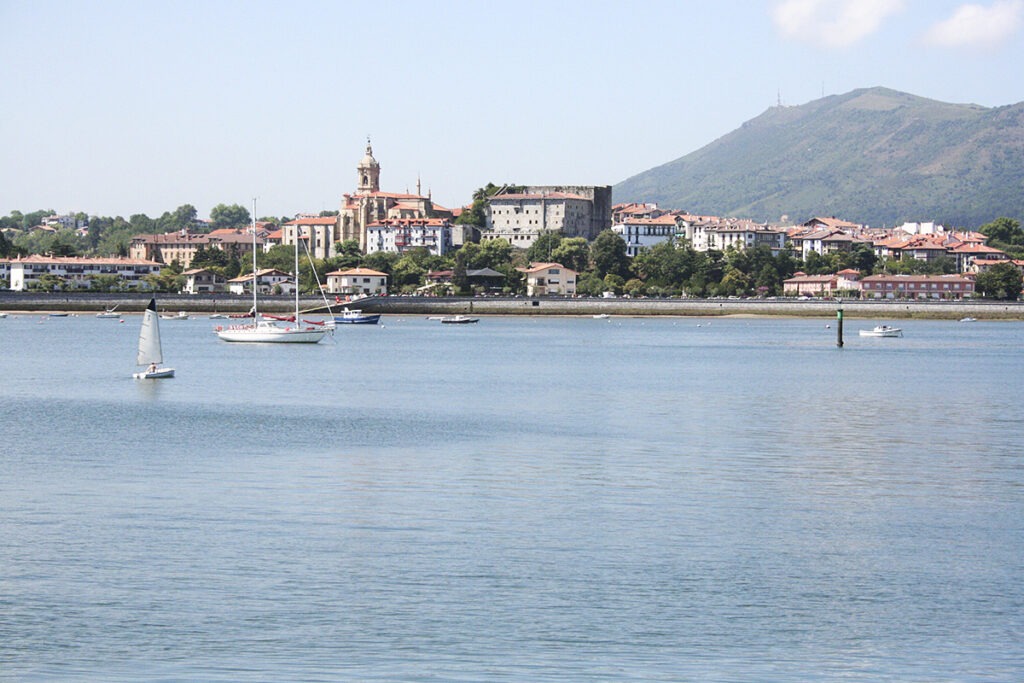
{"points": [[262, 330]]}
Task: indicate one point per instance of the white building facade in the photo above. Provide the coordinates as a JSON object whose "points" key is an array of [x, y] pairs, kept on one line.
{"points": [[320, 234], [642, 233], [572, 211], [358, 282], [77, 273], [549, 279], [401, 234]]}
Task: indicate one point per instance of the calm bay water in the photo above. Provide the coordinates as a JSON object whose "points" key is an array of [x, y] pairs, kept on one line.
{"points": [[517, 500]]}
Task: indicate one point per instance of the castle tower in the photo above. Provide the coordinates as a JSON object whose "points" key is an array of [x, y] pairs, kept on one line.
{"points": [[369, 172]]}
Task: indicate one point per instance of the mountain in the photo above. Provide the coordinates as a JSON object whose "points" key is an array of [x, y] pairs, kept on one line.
{"points": [[873, 156]]}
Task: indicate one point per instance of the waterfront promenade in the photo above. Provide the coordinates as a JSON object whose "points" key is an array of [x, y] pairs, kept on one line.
{"points": [[85, 302]]}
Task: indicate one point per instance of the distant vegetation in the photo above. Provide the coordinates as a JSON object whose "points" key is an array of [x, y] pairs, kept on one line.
{"points": [[873, 156]]}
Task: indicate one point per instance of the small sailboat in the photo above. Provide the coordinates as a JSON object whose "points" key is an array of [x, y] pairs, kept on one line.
{"points": [[109, 313], [150, 350]]}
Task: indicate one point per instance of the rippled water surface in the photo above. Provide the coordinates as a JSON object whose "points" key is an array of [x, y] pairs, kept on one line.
{"points": [[519, 500]]}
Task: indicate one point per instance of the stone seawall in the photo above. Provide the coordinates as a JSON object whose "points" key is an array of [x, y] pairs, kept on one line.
{"points": [[694, 307], [224, 303]]}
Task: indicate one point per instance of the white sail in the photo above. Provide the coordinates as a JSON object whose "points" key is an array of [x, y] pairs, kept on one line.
{"points": [[149, 337]]}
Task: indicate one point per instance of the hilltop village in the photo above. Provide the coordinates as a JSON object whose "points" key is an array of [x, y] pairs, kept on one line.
{"points": [[565, 240]]}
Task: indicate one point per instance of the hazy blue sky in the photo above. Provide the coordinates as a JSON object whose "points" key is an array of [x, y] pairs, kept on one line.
{"points": [[116, 108]]}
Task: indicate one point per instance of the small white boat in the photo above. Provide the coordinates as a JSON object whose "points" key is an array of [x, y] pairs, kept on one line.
{"points": [[968, 320], [218, 316], [180, 315], [458, 320], [150, 350], [2, 314], [601, 316], [882, 331], [109, 313]]}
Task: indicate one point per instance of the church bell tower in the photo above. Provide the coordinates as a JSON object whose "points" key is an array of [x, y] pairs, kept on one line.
{"points": [[369, 172]]}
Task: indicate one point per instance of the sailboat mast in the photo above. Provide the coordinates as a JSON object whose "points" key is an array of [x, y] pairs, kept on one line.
{"points": [[254, 315], [297, 227]]}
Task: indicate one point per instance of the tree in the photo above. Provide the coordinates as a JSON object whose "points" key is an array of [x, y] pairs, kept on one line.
{"points": [[212, 258], [734, 283], [589, 283], [634, 287], [664, 265], [347, 255], [573, 252], [105, 283], [183, 218], [234, 216], [608, 253], [279, 256], [141, 224], [381, 261], [1001, 281], [407, 273], [1004, 230], [543, 247]]}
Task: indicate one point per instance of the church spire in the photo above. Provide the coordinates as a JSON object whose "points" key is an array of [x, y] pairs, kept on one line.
{"points": [[368, 172]]}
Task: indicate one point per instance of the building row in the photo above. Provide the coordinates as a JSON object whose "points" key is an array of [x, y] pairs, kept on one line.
{"points": [[644, 226], [849, 283], [130, 273]]}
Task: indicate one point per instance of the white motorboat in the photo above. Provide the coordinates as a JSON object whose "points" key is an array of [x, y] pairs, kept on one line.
{"points": [[265, 331], [968, 320], [180, 315], [882, 331], [458, 320], [150, 350]]}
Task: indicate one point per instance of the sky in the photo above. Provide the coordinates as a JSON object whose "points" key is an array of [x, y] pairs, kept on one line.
{"points": [[120, 108]]}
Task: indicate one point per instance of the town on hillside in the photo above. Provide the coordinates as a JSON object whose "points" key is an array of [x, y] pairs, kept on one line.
{"points": [[566, 240]]}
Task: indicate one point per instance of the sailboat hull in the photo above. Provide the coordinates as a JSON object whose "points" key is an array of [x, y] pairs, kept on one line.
{"points": [[159, 373], [269, 334]]}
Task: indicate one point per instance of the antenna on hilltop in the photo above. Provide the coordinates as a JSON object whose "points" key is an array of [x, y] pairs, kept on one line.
{"points": [[778, 98]]}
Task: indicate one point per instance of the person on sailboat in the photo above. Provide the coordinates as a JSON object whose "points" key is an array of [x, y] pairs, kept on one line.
{"points": [[151, 368]]}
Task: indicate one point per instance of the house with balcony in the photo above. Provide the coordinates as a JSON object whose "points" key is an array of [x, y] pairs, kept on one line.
{"points": [[358, 282], [723, 234], [203, 281], [642, 233], [917, 287], [268, 281], [398, 235], [549, 279], [77, 272]]}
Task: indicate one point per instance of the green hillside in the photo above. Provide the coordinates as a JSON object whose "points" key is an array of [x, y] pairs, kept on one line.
{"points": [[874, 156]]}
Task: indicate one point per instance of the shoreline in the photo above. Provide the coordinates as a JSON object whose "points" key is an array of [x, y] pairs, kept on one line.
{"points": [[129, 303]]}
